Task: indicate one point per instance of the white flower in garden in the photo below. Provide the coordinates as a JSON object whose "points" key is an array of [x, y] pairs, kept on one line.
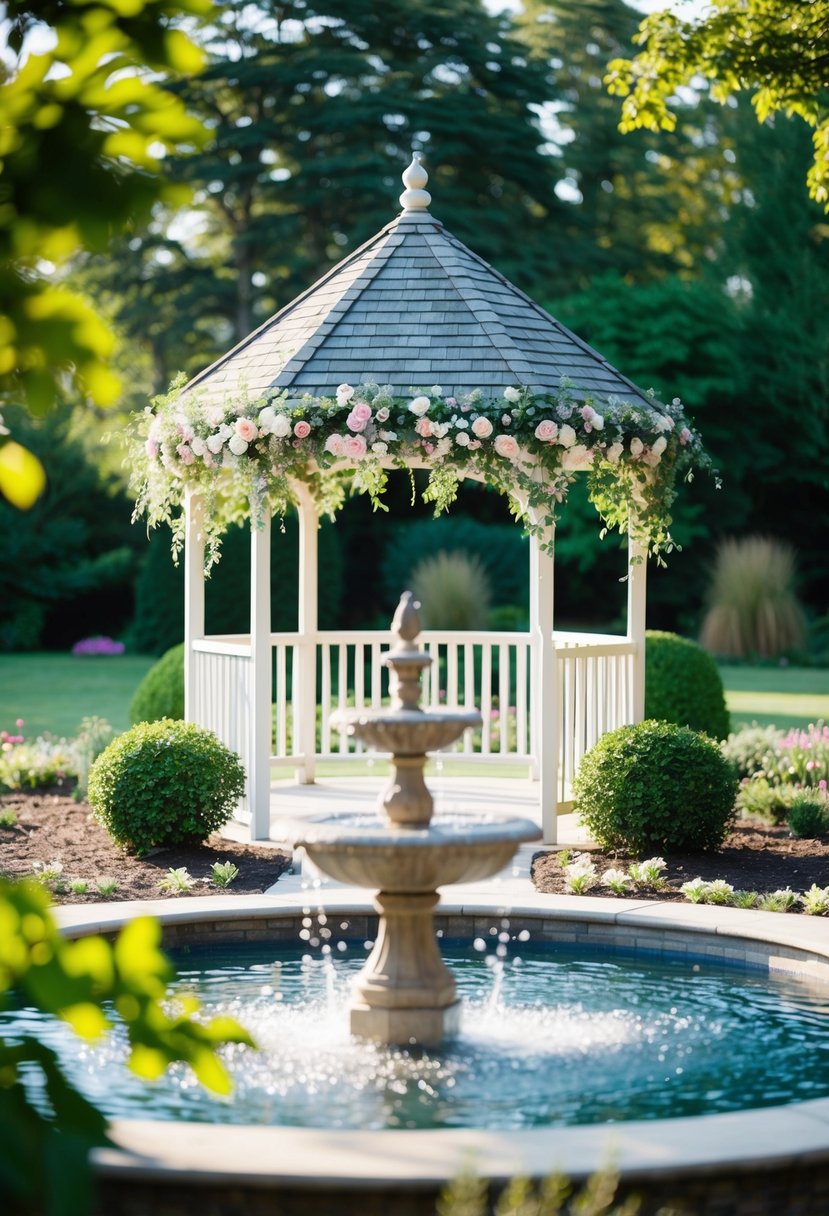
{"points": [[215, 442], [439, 429], [462, 439], [547, 430], [419, 405], [237, 445], [507, 446], [387, 436], [481, 427], [512, 393], [442, 448], [215, 415], [436, 390], [637, 447], [267, 417], [506, 420], [380, 449], [566, 436], [382, 414], [577, 457], [460, 424], [198, 446], [658, 446], [281, 426], [597, 422], [662, 422], [335, 444], [344, 393], [614, 452]]}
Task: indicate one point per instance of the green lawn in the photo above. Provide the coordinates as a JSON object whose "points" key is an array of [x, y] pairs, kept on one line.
{"points": [[53, 692], [776, 696]]}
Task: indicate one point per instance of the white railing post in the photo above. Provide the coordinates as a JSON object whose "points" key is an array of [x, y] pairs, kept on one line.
{"points": [[636, 612], [193, 597], [544, 718], [305, 694], [259, 710]]}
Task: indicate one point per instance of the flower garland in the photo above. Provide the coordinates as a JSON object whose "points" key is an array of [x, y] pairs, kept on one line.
{"points": [[247, 455]]}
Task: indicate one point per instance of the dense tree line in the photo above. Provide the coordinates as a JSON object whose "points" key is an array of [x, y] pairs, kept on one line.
{"points": [[693, 258]]}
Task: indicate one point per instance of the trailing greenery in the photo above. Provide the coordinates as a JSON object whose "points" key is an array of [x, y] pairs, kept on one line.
{"points": [[454, 592], [161, 693], [753, 609], [655, 786], [683, 685], [165, 783]]}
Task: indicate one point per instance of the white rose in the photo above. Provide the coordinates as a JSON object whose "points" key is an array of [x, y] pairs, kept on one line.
{"points": [[387, 436], [198, 446], [597, 421], [215, 442], [225, 431], [436, 390], [344, 393], [657, 447], [662, 422], [439, 429], [637, 447], [462, 439], [512, 394], [577, 457], [566, 436], [460, 423], [267, 417], [382, 414], [380, 449], [419, 405], [614, 452], [214, 415], [281, 426], [442, 448], [237, 445]]}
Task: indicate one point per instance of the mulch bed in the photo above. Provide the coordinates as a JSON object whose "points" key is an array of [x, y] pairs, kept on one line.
{"points": [[754, 857], [52, 827]]}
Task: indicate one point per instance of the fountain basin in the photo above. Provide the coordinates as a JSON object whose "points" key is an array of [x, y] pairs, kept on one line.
{"points": [[433, 729], [749, 1159]]}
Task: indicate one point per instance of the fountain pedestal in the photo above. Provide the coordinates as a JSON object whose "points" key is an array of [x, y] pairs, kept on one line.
{"points": [[405, 994]]}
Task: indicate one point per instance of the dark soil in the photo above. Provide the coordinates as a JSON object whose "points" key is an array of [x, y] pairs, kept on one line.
{"points": [[54, 828], [754, 857]]}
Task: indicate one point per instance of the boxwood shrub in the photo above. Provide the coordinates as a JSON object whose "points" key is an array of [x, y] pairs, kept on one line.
{"points": [[683, 684], [656, 787], [165, 783], [161, 693]]}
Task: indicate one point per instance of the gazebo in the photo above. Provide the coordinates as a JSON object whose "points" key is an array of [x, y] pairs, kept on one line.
{"points": [[411, 307]]}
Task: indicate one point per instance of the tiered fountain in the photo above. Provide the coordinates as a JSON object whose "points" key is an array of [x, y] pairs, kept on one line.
{"points": [[405, 993]]}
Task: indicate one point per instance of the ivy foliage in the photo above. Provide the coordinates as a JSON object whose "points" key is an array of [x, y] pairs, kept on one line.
{"points": [[165, 783], [45, 1146]]}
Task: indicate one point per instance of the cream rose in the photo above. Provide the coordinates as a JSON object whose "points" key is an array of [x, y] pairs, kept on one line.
{"points": [[566, 436], [547, 430], [481, 427], [419, 405], [506, 446]]}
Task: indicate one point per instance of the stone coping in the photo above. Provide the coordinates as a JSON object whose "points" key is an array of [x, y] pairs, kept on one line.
{"points": [[755, 1140]]}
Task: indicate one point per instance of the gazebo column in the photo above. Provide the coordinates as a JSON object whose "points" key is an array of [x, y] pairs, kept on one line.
{"points": [[193, 598], [544, 721], [305, 689], [259, 721], [636, 611]]}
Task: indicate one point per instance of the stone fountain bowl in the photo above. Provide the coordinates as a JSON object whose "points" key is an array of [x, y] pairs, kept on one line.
{"points": [[407, 732], [362, 850]]}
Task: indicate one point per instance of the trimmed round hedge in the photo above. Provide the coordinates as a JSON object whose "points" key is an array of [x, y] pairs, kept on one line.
{"points": [[161, 693], [165, 783], [655, 787], [683, 684]]}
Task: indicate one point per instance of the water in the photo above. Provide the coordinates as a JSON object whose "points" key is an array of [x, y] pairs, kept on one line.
{"points": [[550, 1038]]}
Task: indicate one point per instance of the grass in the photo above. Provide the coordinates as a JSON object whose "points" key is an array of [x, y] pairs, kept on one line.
{"points": [[53, 692], [775, 696]]}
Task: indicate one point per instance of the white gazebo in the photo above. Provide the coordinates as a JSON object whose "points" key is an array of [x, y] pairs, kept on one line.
{"points": [[412, 307]]}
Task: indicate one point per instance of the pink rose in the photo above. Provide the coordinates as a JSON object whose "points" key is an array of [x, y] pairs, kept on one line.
{"points": [[151, 448], [577, 457], [246, 429], [355, 423], [684, 435], [355, 446], [547, 431], [473, 444], [361, 410], [302, 429], [335, 444], [423, 427], [506, 446], [481, 427], [185, 455]]}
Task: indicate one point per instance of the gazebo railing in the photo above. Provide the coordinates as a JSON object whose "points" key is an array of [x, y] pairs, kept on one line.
{"points": [[342, 670]]}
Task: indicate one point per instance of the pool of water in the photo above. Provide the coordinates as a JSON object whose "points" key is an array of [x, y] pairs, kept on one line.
{"points": [[550, 1037]]}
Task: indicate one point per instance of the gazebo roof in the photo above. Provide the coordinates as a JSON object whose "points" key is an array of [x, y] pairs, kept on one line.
{"points": [[411, 308]]}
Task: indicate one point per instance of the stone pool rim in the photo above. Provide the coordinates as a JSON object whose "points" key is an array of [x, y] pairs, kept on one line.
{"points": [[764, 1139]]}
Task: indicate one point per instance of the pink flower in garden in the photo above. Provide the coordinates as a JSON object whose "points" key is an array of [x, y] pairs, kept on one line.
{"points": [[246, 429], [428, 448], [423, 426], [185, 454], [821, 784], [355, 423], [335, 444], [151, 449], [507, 446], [18, 722], [451, 402], [684, 435], [547, 431], [302, 429], [355, 446], [481, 427], [577, 457], [473, 444], [361, 410]]}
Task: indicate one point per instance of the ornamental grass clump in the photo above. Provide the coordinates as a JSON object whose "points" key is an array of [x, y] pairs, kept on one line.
{"points": [[809, 816], [454, 591], [655, 786], [165, 783], [753, 606]]}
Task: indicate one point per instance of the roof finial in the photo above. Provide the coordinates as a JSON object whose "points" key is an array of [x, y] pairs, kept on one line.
{"points": [[414, 197]]}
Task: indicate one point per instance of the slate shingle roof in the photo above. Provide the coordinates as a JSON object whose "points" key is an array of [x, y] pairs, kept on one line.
{"points": [[413, 307]]}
